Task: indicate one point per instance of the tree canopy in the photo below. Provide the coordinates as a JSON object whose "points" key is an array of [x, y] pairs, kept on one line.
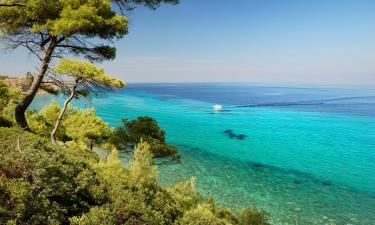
{"points": [[79, 125], [87, 78], [66, 24], [147, 129], [87, 72], [50, 28]]}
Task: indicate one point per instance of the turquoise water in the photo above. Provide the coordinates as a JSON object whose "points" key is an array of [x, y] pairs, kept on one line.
{"points": [[302, 161]]}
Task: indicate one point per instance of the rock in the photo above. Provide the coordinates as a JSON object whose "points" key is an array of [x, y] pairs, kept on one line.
{"points": [[257, 165], [241, 137], [296, 182], [327, 182]]}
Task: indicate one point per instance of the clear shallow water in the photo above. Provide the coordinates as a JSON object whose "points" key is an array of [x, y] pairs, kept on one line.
{"points": [[308, 158]]}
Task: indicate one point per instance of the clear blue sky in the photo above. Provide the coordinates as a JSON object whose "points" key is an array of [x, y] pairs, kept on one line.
{"points": [[258, 41]]}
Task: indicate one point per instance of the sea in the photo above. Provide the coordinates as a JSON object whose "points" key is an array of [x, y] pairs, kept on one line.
{"points": [[304, 154]]}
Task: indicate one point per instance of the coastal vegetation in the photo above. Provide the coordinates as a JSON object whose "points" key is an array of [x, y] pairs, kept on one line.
{"points": [[50, 172], [87, 79], [41, 183], [147, 129], [53, 29]]}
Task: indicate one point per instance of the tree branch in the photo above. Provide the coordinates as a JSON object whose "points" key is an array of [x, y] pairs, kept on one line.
{"points": [[12, 4]]}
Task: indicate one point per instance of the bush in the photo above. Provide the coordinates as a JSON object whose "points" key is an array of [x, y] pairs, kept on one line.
{"points": [[8, 98], [144, 128], [141, 164], [201, 215], [252, 216], [133, 197], [80, 125], [41, 184], [45, 184], [186, 194]]}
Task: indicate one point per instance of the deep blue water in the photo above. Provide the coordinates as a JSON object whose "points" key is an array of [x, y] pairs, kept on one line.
{"points": [[305, 154], [347, 100]]}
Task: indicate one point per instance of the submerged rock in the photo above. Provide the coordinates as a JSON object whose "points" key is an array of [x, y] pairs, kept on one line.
{"points": [[326, 182], [296, 182], [241, 137], [232, 135]]}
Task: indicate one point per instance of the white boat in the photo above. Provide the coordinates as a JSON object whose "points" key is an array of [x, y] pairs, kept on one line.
{"points": [[217, 107]]}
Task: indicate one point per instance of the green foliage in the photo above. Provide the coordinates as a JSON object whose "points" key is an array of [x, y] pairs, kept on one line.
{"points": [[152, 4], [68, 21], [252, 216], [38, 123], [186, 194], [226, 214], [128, 201], [44, 184], [83, 125], [4, 95], [87, 17], [50, 89], [89, 79], [142, 169], [42, 122], [201, 215], [8, 98], [87, 72], [53, 29], [51, 112], [41, 184], [147, 129], [80, 125]]}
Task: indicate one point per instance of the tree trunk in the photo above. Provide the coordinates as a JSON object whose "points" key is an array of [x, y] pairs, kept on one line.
{"points": [[59, 119], [30, 94]]}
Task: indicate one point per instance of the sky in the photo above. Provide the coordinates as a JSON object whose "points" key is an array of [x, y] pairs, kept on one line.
{"points": [[317, 42]]}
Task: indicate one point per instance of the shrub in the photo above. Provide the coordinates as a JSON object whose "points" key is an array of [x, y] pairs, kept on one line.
{"points": [[8, 98], [147, 129], [141, 164], [252, 216], [41, 184], [186, 194], [80, 125], [45, 184], [201, 215]]}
